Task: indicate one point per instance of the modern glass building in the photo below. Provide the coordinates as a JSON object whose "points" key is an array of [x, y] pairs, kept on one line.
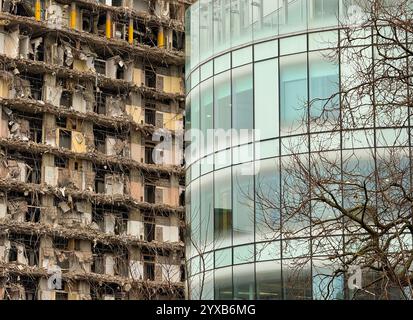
{"points": [[251, 67]]}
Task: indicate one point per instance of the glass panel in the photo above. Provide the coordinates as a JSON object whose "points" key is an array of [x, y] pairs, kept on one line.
{"points": [[268, 251], [194, 35], [222, 63], [223, 284], [195, 78], [324, 86], [207, 70], [295, 248], [266, 19], [267, 149], [195, 287], [208, 288], [326, 285], [391, 137], [209, 260], [195, 170], [244, 284], [223, 159], [294, 145], [293, 45], [242, 112], [293, 16], [241, 57], [207, 216], [266, 50], [195, 265], [293, 93], [192, 127], [323, 13], [297, 279], [188, 41], [359, 114], [206, 115], [323, 40], [205, 29], [241, 22], [266, 99], [194, 110], [242, 154], [244, 254], [243, 202], [207, 164], [294, 223], [188, 244], [223, 208], [195, 218], [269, 282], [223, 258], [222, 105], [267, 199], [222, 25]]}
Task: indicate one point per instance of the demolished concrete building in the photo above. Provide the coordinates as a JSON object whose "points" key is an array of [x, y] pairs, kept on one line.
{"points": [[85, 213]]}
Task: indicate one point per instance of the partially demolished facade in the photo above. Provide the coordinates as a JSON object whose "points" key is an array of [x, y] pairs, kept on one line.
{"points": [[87, 90]]}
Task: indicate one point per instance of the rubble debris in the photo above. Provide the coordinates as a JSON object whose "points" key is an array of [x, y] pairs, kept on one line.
{"points": [[80, 103]]}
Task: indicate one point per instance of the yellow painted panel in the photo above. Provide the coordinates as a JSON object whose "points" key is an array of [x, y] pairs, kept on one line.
{"points": [[175, 84], [73, 16], [4, 88], [172, 85], [38, 10], [168, 123], [161, 38], [80, 65], [135, 112], [108, 25], [137, 76], [130, 32], [78, 142], [73, 296], [167, 84]]}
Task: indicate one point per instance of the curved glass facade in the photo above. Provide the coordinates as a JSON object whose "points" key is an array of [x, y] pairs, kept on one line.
{"points": [[251, 67]]}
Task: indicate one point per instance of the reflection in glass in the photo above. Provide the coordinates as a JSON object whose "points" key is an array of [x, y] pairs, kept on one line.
{"points": [[223, 284], [223, 207], [222, 25], [296, 279], [244, 282], [223, 258], [205, 28], [266, 19], [206, 115], [269, 281], [222, 103], [266, 99], [324, 84], [293, 15], [207, 209], [241, 22], [243, 202], [242, 122], [267, 202], [293, 92], [325, 285]]}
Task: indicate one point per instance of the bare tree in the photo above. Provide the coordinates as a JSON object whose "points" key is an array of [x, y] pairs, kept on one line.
{"points": [[347, 203]]}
